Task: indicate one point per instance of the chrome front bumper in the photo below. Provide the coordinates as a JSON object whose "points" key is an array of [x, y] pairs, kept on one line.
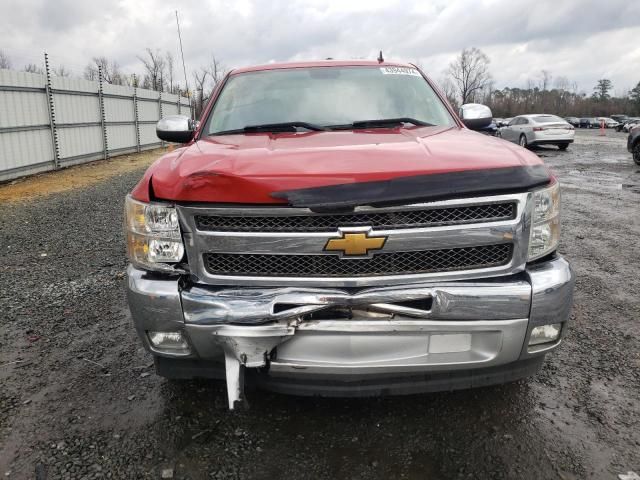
{"points": [[465, 325]]}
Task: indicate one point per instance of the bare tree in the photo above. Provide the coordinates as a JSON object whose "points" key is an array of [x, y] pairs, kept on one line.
{"points": [[110, 71], [154, 64], [217, 71], [33, 68], [449, 90], [170, 70], [470, 73], [61, 71], [5, 62], [545, 80], [90, 73], [562, 83], [200, 78]]}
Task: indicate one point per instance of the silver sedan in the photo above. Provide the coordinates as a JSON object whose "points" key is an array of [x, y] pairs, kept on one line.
{"points": [[530, 130]]}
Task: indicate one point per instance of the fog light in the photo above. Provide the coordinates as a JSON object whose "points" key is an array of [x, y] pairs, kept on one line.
{"points": [[545, 334], [171, 342]]}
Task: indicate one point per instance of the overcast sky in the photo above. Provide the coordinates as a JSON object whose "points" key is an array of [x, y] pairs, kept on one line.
{"points": [[581, 40]]}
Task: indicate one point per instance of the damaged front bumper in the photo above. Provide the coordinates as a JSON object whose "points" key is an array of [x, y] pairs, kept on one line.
{"points": [[298, 334]]}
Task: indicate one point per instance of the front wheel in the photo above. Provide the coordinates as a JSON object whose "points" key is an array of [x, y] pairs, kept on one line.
{"points": [[523, 141], [563, 146]]}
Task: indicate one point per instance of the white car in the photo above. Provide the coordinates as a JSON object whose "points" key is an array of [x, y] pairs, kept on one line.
{"points": [[631, 123], [542, 129], [608, 122]]}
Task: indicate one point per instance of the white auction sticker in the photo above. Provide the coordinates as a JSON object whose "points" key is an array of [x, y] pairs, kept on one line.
{"points": [[400, 71]]}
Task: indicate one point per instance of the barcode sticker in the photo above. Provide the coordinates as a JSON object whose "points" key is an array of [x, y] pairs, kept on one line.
{"points": [[400, 71]]}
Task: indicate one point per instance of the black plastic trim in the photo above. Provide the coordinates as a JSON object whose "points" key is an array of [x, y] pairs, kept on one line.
{"points": [[418, 188]]}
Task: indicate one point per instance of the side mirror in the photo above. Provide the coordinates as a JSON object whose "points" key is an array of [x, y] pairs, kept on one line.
{"points": [[176, 128], [476, 116]]}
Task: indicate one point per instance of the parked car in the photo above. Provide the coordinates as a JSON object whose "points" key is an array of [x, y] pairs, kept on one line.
{"points": [[491, 129], [542, 129], [585, 122], [280, 246], [621, 119], [621, 122], [631, 123], [573, 121], [608, 122], [594, 122], [505, 122], [633, 144]]}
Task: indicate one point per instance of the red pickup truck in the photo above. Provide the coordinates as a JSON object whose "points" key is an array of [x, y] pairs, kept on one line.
{"points": [[335, 228]]}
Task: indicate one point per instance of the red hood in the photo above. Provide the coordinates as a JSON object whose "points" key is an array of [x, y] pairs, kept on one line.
{"points": [[248, 168]]}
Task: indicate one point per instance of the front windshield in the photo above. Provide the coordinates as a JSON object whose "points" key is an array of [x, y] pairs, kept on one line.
{"points": [[325, 96]]}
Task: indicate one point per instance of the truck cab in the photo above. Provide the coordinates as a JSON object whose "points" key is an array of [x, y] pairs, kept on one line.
{"points": [[336, 228]]}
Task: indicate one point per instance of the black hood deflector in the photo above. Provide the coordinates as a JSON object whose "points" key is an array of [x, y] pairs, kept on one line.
{"points": [[418, 188]]}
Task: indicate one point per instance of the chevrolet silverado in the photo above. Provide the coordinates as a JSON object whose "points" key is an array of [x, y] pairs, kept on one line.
{"points": [[336, 228]]}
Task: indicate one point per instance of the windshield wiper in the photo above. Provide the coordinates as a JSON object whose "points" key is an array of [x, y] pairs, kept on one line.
{"points": [[275, 127], [383, 122]]}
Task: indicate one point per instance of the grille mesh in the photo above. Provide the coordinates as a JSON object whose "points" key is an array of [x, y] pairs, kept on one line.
{"points": [[393, 263], [380, 220]]}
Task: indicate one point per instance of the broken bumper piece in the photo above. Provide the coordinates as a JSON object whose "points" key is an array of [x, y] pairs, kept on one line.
{"points": [[313, 337]]}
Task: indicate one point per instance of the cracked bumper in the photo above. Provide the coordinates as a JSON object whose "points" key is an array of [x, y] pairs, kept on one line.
{"points": [[462, 326]]}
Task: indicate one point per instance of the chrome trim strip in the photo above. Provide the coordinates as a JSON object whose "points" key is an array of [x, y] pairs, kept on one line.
{"points": [[455, 301], [515, 231]]}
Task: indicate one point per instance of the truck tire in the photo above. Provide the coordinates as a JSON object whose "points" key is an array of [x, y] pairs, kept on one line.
{"points": [[523, 141]]}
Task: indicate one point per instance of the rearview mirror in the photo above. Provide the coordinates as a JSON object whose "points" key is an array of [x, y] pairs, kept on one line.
{"points": [[176, 128], [476, 116]]}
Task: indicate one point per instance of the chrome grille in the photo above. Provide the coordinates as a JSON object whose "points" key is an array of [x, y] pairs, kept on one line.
{"points": [[393, 263], [388, 220]]}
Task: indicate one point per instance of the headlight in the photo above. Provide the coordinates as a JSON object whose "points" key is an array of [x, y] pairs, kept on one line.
{"points": [[545, 222], [153, 235]]}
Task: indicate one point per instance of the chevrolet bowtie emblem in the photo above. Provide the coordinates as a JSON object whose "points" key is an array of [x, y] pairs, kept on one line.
{"points": [[356, 244]]}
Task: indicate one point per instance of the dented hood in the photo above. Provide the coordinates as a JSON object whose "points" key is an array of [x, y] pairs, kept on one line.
{"points": [[256, 168]]}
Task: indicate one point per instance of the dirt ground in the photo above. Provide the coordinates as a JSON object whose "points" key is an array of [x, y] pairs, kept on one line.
{"points": [[79, 399]]}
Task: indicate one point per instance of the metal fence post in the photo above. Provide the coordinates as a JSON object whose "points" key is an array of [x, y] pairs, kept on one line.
{"points": [[160, 110], [105, 147], [135, 112], [52, 115]]}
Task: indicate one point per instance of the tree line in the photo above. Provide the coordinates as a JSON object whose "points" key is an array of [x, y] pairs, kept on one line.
{"points": [[468, 79]]}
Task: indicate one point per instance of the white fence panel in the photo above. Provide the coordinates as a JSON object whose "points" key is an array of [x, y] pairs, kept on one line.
{"points": [[119, 110], [148, 135], [121, 137], [169, 109], [85, 142], [21, 109], [25, 152], [148, 111], [76, 108]]}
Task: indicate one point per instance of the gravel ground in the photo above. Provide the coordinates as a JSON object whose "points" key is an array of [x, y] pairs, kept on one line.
{"points": [[79, 398]]}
